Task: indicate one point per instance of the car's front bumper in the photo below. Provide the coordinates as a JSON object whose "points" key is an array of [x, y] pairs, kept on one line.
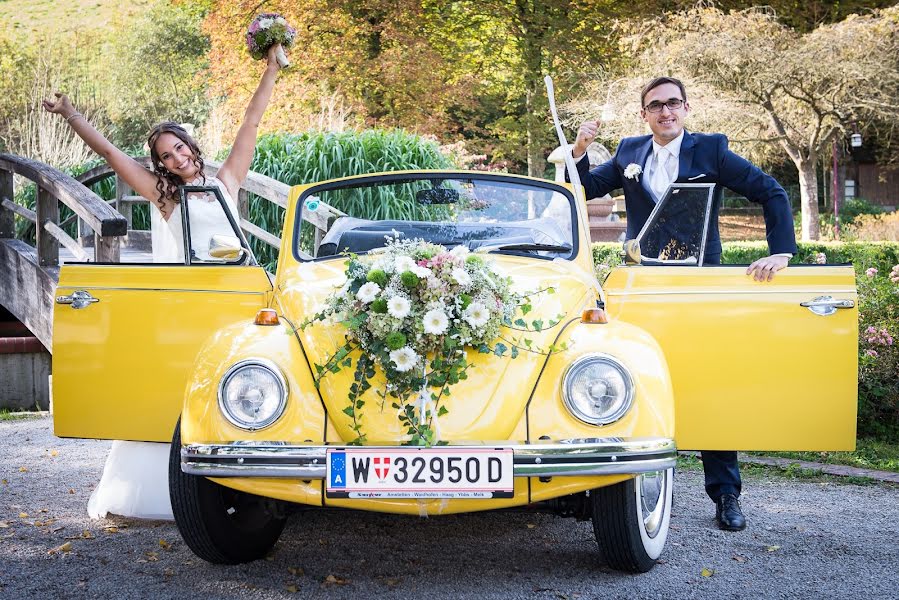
{"points": [[575, 457]]}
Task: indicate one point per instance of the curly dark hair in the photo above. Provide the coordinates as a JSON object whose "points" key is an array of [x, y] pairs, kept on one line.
{"points": [[167, 183]]}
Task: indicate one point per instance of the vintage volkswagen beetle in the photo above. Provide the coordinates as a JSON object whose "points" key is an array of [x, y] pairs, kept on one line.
{"points": [[665, 355]]}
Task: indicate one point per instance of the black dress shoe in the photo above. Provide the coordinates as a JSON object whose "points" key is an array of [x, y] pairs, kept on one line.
{"points": [[728, 514]]}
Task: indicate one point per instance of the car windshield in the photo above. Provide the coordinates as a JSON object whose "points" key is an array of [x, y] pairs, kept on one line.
{"points": [[487, 213]]}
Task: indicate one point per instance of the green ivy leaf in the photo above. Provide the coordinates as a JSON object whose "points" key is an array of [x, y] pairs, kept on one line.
{"points": [[442, 411], [349, 411], [520, 323], [538, 325]]}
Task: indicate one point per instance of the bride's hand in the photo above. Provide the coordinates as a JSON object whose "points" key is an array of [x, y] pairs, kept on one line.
{"points": [[61, 106], [272, 57]]}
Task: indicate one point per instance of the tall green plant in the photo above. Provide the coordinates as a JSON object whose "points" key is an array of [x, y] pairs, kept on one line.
{"points": [[318, 156]]}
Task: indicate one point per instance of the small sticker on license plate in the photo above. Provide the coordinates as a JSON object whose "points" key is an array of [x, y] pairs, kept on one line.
{"points": [[420, 473]]}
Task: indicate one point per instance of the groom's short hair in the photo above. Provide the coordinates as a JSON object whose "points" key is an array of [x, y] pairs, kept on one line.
{"points": [[662, 81]]}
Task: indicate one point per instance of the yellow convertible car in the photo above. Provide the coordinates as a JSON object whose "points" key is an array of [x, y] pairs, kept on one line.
{"points": [[457, 354]]}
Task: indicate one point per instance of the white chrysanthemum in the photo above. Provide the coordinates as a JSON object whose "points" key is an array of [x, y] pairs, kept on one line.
{"points": [[404, 359], [422, 272], [476, 314], [460, 251], [368, 292], [461, 276], [398, 307], [404, 263], [436, 321], [265, 22]]}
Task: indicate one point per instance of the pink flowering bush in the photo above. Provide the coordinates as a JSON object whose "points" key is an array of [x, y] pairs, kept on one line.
{"points": [[878, 368]]}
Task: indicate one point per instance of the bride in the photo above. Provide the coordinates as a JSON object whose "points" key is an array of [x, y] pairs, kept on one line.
{"points": [[135, 478]]}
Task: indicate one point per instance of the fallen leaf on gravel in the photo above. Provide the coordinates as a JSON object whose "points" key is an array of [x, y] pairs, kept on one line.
{"points": [[661, 561], [773, 548], [54, 453], [151, 556], [168, 572], [55, 529], [87, 535], [333, 579], [187, 562], [71, 491], [531, 525], [707, 572], [392, 581], [67, 547], [739, 558], [270, 557], [23, 515], [3, 524], [292, 589], [165, 545], [23, 469], [4, 481], [295, 571], [111, 529]]}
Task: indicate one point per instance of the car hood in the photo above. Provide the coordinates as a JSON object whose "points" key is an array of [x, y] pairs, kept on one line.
{"points": [[490, 402]]}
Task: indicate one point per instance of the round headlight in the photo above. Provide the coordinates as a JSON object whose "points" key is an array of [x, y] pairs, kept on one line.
{"points": [[597, 389], [252, 394]]}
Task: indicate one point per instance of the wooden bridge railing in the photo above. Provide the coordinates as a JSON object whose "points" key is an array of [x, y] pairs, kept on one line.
{"points": [[263, 186], [28, 275]]}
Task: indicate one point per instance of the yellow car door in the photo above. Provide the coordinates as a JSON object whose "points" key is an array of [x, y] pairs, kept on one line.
{"points": [[125, 336], [754, 365]]}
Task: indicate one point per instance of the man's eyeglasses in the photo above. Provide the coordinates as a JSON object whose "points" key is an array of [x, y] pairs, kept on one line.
{"points": [[672, 104]]}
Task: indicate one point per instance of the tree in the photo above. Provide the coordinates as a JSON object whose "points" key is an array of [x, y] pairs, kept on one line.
{"points": [[773, 85], [154, 71]]}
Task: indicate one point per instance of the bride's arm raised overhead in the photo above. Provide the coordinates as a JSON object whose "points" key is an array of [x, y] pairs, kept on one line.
{"points": [[134, 174], [235, 168]]}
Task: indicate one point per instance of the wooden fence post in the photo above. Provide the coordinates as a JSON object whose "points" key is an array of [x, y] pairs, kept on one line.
{"points": [[47, 245], [124, 208], [107, 249], [7, 217]]}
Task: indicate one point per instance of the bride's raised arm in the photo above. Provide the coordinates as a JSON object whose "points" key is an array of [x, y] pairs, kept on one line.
{"points": [[235, 168], [140, 179]]}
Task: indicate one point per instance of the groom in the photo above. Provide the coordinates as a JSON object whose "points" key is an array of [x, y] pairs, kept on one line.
{"points": [[671, 155]]}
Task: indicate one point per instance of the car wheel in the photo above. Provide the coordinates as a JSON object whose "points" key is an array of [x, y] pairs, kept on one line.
{"points": [[219, 524], [631, 518]]}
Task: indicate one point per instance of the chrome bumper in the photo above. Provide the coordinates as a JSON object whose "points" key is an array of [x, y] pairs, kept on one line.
{"points": [[590, 456]]}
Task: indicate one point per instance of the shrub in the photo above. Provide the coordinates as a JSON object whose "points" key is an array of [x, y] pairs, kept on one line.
{"points": [[877, 279], [875, 227], [309, 157], [852, 208]]}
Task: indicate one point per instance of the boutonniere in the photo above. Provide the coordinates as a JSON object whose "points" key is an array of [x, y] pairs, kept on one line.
{"points": [[633, 171]]}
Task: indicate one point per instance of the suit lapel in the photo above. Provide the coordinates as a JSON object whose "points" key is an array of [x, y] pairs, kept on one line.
{"points": [[642, 154], [685, 162]]}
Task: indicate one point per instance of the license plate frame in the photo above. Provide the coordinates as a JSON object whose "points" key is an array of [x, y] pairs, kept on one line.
{"points": [[413, 473]]}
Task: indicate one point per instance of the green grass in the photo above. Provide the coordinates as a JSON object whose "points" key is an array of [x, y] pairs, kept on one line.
{"points": [[7, 415], [751, 471], [48, 18], [868, 454]]}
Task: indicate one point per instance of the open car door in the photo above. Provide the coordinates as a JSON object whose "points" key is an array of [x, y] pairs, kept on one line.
{"points": [[125, 335], [754, 365]]}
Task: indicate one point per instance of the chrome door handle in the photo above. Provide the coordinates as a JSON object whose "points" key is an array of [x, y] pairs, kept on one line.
{"points": [[826, 305], [79, 299]]}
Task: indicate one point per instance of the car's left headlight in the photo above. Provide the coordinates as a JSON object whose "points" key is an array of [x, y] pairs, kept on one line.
{"points": [[253, 394], [597, 389]]}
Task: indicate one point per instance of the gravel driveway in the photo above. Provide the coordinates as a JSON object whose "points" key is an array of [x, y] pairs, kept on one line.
{"points": [[805, 539]]}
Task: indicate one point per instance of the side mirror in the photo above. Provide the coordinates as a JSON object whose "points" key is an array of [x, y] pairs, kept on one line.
{"points": [[632, 252], [227, 248]]}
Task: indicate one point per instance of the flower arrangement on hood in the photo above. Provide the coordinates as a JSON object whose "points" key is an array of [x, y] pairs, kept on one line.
{"points": [[411, 311]]}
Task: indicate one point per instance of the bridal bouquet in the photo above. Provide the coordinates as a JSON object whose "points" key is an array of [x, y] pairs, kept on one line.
{"points": [[412, 312], [266, 30]]}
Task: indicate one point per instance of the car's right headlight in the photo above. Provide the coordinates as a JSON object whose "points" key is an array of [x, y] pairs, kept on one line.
{"points": [[252, 394], [597, 389]]}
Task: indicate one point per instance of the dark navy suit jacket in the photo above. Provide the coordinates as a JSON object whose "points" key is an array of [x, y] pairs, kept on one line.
{"points": [[704, 158]]}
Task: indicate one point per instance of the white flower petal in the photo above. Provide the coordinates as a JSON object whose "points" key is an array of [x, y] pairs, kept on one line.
{"points": [[435, 322], [368, 292], [398, 307], [404, 359]]}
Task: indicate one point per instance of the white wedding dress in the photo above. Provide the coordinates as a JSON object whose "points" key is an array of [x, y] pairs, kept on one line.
{"points": [[135, 480]]}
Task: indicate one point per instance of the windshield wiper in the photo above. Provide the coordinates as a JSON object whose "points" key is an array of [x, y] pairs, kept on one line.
{"points": [[526, 248]]}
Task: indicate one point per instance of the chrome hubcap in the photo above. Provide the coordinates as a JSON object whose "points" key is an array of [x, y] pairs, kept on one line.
{"points": [[652, 492]]}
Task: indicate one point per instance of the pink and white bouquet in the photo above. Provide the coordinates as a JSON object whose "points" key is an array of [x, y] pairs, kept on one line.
{"points": [[266, 30]]}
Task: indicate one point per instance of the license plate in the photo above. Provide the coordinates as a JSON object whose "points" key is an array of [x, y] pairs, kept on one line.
{"points": [[420, 473]]}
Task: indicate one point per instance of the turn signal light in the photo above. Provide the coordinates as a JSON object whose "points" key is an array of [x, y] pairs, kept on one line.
{"points": [[594, 315], [266, 316]]}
